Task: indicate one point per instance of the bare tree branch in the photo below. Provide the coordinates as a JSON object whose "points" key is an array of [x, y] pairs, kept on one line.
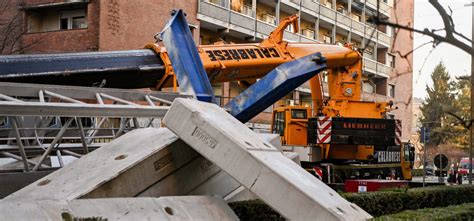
{"points": [[450, 32], [466, 124], [12, 31]]}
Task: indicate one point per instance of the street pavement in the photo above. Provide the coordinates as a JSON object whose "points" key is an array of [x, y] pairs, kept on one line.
{"points": [[434, 179]]}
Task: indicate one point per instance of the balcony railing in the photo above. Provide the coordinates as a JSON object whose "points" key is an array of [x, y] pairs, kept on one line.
{"points": [[214, 11], [343, 20], [383, 7], [374, 97], [384, 38], [358, 27], [376, 67], [241, 20], [262, 28], [328, 13], [291, 36]]}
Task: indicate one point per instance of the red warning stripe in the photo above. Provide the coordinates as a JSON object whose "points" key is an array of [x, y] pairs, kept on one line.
{"points": [[323, 119], [323, 130], [324, 139]]}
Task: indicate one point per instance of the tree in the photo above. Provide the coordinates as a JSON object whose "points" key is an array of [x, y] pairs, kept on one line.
{"points": [[11, 29], [436, 106], [448, 34], [462, 111]]}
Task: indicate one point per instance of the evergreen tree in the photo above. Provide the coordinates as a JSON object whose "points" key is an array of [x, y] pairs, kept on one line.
{"points": [[463, 111], [440, 100]]}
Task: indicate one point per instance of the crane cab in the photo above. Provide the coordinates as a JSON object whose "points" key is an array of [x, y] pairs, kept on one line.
{"points": [[291, 123]]}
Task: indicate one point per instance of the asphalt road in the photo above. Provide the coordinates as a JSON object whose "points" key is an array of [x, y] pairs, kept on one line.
{"points": [[434, 179]]}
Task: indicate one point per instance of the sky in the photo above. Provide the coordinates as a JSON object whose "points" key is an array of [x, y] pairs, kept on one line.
{"points": [[456, 61]]}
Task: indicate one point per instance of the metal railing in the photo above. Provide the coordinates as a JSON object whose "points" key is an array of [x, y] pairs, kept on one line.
{"points": [[260, 28], [40, 122], [374, 97], [377, 67], [383, 7]]}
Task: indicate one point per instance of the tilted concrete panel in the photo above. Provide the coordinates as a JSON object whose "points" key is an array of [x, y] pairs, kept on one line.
{"points": [[202, 177], [153, 169], [256, 164], [123, 168], [163, 208]]}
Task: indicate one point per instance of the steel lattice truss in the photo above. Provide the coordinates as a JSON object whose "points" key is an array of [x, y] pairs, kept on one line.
{"points": [[40, 122]]}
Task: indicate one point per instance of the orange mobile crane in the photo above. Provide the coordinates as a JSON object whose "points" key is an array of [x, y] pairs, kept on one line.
{"points": [[344, 137], [347, 137]]}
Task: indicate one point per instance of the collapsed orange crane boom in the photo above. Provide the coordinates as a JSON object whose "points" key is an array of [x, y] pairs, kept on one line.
{"points": [[248, 62]]}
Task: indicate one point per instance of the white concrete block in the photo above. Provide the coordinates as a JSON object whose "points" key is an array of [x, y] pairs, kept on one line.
{"points": [[163, 208], [273, 139], [256, 164], [240, 194], [202, 177], [292, 156], [123, 168]]}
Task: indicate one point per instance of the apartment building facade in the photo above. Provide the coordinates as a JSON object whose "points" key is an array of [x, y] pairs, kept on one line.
{"points": [[387, 76], [98, 25]]}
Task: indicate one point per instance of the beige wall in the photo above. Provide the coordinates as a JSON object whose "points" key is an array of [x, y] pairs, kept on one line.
{"points": [[402, 76]]}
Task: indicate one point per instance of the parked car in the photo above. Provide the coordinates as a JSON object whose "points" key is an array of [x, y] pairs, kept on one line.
{"points": [[464, 166], [430, 170]]}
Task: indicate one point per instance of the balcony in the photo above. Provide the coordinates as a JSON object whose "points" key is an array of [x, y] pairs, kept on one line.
{"points": [[233, 20], [229, 17], [376, 67], [384, 7], [374, 97], [332, 16], [226, 18]]}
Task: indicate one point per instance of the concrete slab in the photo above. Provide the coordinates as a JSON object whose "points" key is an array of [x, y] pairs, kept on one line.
{"points": [[186, 171], [273, 139], [163, 208], [202, 177], [123, 168], [256, 164]]}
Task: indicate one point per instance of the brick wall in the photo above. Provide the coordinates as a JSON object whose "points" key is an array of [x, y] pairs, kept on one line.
{"points": [[402, 76], [10, 27], [132, 24], [75, 40]]}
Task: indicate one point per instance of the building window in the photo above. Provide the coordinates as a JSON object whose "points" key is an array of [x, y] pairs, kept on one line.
{"points": [[247, 10], [369, 51], [390, 31], [325, 76], [341, 9], [327, 39], [355, 17], [390, 60], [54, 19], [270, 19], [391, 90], [326, 3], [308, 33], [222, 3], [73, 19]]}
